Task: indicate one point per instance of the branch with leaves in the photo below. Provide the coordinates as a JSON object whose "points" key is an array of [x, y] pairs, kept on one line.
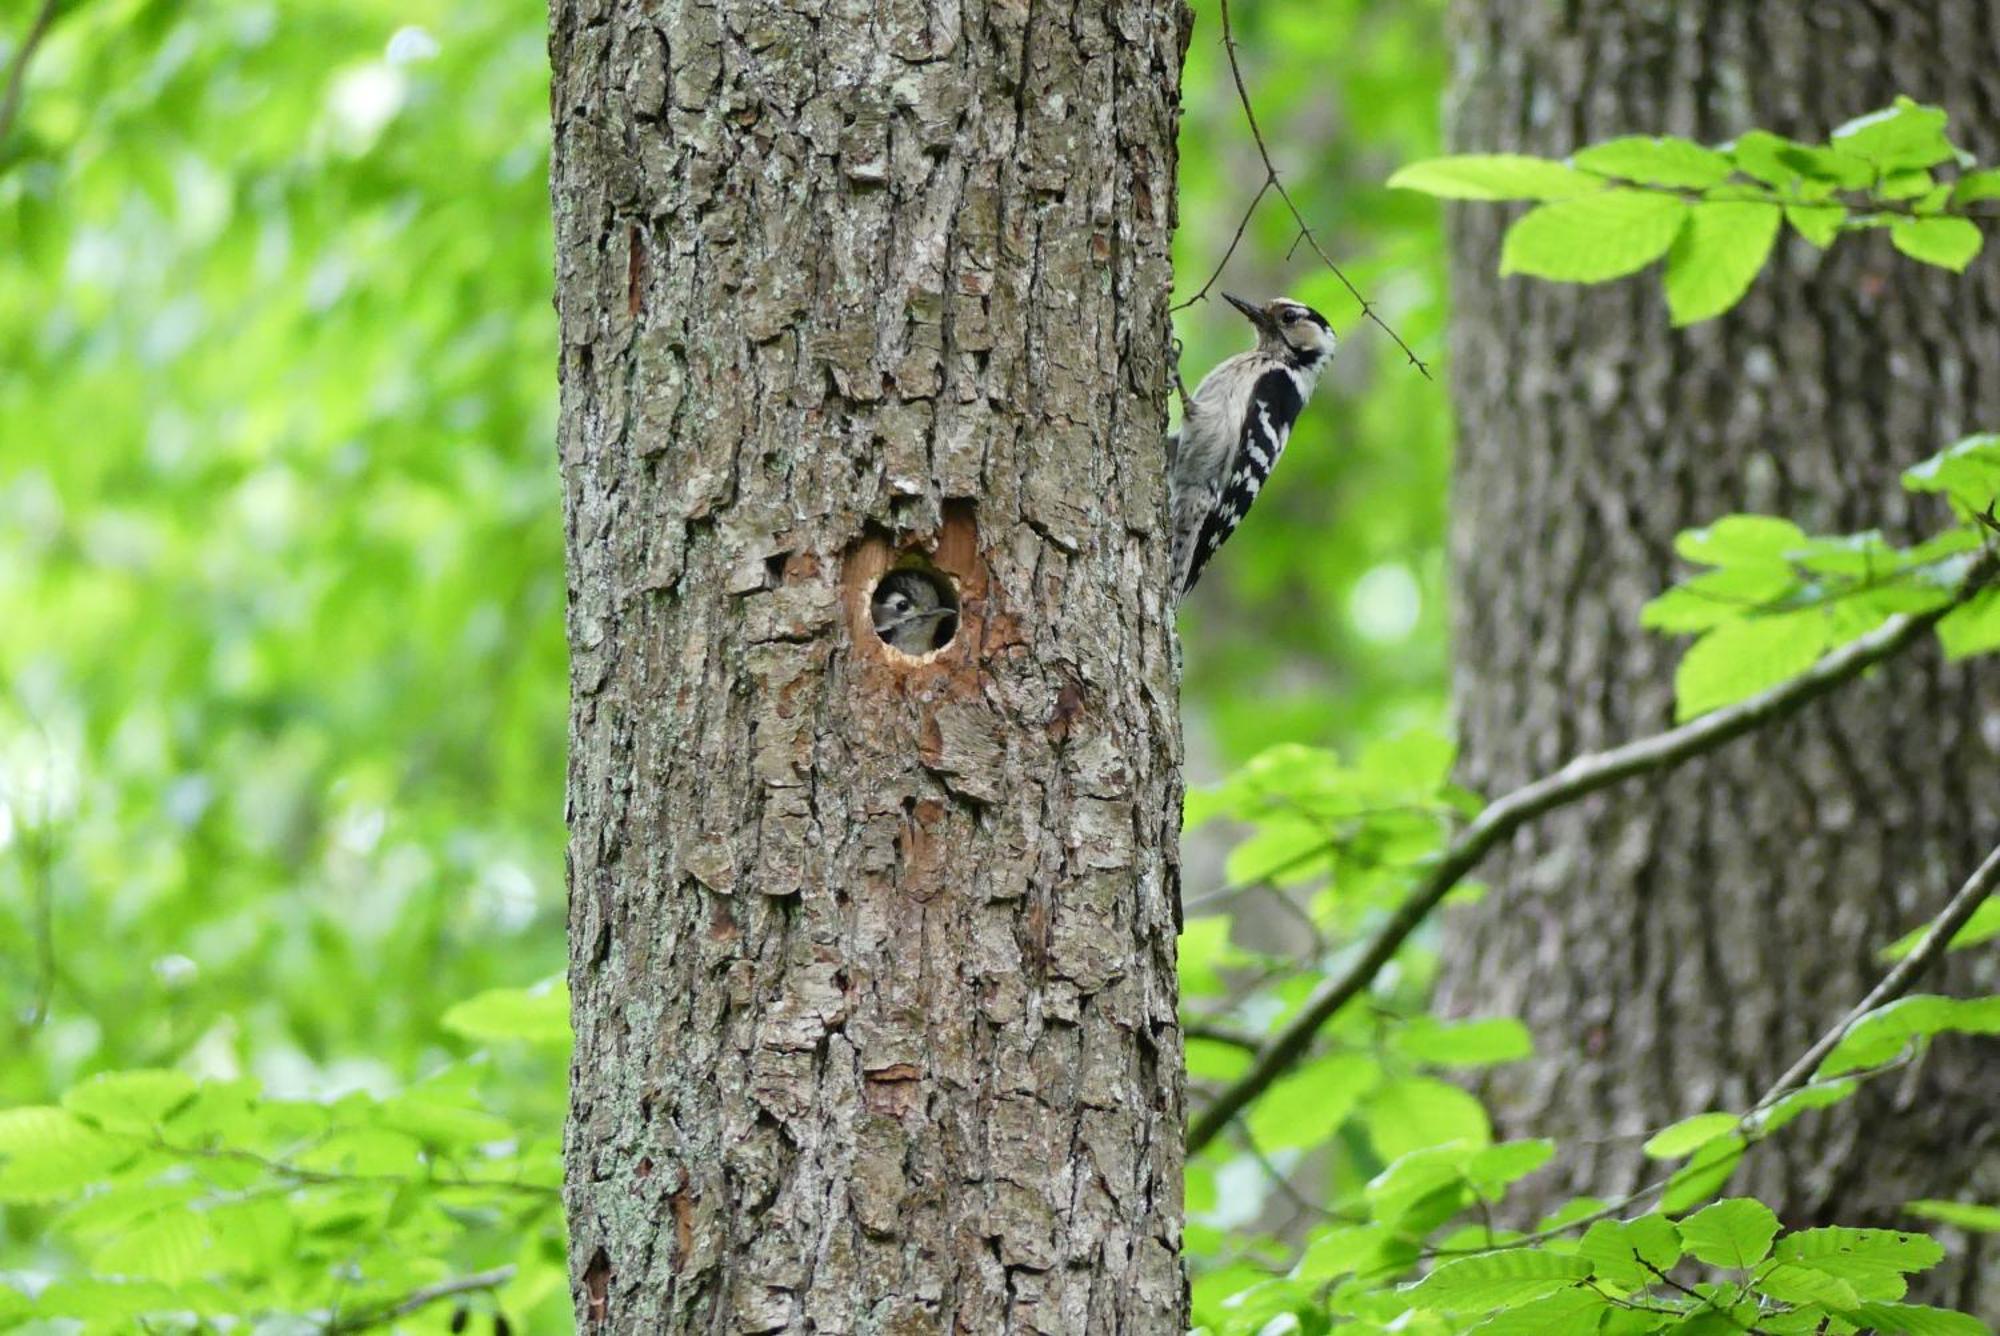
{"points": [[1578, 779], [1715, 214]]}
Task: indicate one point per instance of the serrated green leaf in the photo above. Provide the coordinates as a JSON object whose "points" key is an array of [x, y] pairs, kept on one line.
{"points": [[1738, 660], [1872, 1261], [1726, 594], [1962, 1214], [1891, 1319], [1905, 135], [1619, 1249], [1817, 223], [1471, 1043], [1656, 161], [1493, 1280], [1717, 256], [1736, 1232], [98, 1300], [1778, 161], [135, 1101], [1882, 1033], [536, 1015], [1689, 1134], [1948, 243], [1339, 1251], [1569, 1312], [1736, 540], [1494, 176], [1972, 628], [1807, 1285], [1595, 238]]}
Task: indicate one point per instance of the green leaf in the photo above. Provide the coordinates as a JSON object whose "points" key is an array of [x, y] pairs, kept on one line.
{"points": [[1570, 1312], [1473, 1043], [1976, 186], [1409, 1180], [1948, 243], [1662, 161], [46, 1153], [1689, 1134], [1968, 472], [1419, 1111], [172, 1246], [1983, 926], [1817, 223], [535, 1015], [1736, 540], [1340, 1251], [1873, 1261], [1616, 1249], [1739, 659], [1727, 594], [1736, 1232], [1595, 238], [1962, 1214], [1917, 1320], [136, 1101], [1972, 628], [1884, 1032], [1807, 1285], [1717, 256], [1493, 1280], [1309, 1106], [1508, 1162], [1494, 176], [1818, 1095], [1704, 1175], [1903, 136], [1778, 161]]}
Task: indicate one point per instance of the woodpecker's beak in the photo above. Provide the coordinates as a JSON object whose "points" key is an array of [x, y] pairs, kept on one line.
{"points": [[1251, 310]]}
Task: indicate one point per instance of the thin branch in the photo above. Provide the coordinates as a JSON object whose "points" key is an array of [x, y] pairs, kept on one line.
{"points": [[1248, 214], [423, 1298], [330, 1178], [17, 69], [1898, 981], [1274, 182], [1580, 778]]}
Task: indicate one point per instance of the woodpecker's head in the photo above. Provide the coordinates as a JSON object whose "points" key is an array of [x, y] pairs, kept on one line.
{"points": [[1291, 330]]}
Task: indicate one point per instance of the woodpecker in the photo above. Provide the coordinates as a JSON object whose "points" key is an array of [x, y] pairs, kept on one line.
{"points": [[1236, 425], [910, 614]]}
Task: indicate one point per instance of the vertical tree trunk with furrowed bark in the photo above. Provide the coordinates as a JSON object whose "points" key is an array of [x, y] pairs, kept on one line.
{"points": [[872, 955], [1677, 943]]}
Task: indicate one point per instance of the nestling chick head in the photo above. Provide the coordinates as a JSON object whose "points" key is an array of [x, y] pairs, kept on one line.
{"points": [[1291, 330]]}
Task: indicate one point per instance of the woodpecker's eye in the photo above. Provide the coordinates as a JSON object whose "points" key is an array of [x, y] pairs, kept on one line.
{"points": [[1291, 317]]}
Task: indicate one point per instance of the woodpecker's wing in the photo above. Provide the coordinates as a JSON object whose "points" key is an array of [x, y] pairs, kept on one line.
{"points": [[1274, 405]]}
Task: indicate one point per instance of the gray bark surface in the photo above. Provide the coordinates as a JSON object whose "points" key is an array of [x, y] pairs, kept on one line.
{"points": [[1675, 944], [872, 956]]}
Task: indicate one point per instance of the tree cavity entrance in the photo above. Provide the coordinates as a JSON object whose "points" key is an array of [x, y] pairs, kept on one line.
{"points": [[914, 609]]}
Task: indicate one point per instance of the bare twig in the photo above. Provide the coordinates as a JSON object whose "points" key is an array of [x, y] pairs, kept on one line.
{"points": [[1583, 776], [17, 69], [1897, 981], [1248, 214], [423, 1298], [1273, 182]]}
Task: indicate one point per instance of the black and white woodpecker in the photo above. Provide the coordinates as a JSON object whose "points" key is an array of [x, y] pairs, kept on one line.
{"points": [[1236, 425]]}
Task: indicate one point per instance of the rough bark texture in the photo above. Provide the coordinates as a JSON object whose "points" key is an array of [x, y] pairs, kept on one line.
{"points": [[872, 956], [1677, 943]]}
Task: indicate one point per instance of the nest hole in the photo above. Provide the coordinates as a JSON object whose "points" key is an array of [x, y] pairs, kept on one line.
{"points": [[914, 609]]}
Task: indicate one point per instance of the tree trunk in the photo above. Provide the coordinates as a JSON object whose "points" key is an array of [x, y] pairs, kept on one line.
{"points": [[1677, 943], [872, 953]]}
